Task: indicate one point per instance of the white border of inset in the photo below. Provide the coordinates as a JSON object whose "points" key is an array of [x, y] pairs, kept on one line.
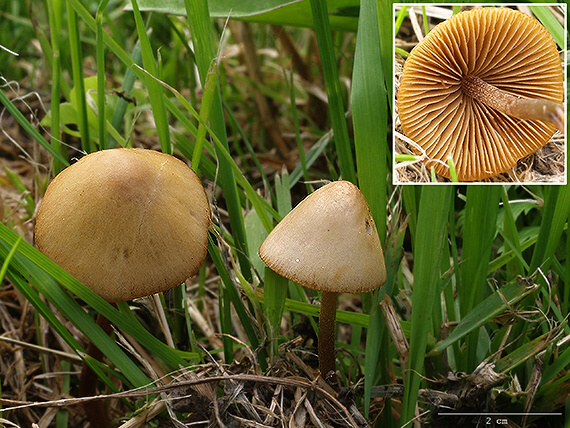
{"points": [[396, 7]]}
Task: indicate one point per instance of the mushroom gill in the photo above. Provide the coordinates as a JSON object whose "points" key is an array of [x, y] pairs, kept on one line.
{"points": [[485, 88]]}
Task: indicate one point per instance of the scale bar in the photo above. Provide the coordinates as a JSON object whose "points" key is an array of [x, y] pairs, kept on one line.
{"points": [[500, 414]]}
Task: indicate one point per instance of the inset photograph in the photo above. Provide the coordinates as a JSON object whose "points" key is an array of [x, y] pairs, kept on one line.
{"points": [[480, 93]]}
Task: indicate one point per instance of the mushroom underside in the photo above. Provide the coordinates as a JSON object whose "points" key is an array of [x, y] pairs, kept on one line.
{"points": [[440, 110]]}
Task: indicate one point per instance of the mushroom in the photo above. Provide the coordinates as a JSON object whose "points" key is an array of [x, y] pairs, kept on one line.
{"points": [[127, 223], [328, 242], [484, 88]]}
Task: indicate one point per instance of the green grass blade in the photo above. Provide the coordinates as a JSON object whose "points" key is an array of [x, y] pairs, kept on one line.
{"points": [[80, 102], [400, 18], [201, 31], [9, 256], [484, 312], [100, 54], [425, 20], [230, 289], [129, 62], [205, 109], [43, 309], [295, 118], [433, 177], [311, 310], [197, 12], [479, 231], [126, 87], [234, 121], [55, 10], [62, 417], [566, 303], [386, 28], [522, 353], [154, 89], [550, 22], [452, 171], [373, 352], [559, 366], [85, 15], [511, 236], [333, 88], [256, 234], [275, 292], [410, 198], [370, 123], [310, 157], [505, 258], [554, 217], [226, 327], [430, 237], [369, 112], [378, 354], [27, 200], [275, 286], [283, 194], [449, 290]]}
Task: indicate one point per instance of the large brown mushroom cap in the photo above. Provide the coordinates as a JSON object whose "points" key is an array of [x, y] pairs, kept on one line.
{"points": [[328, 242], [125, 222], [504, 48]]}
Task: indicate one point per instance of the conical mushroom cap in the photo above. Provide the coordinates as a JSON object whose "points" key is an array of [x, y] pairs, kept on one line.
{"points": [[328, 242], [126, 223]]}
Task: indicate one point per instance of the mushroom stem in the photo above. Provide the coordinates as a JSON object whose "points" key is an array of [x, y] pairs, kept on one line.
{"points": [[513, 105], [327, 323], [95, 411]]}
